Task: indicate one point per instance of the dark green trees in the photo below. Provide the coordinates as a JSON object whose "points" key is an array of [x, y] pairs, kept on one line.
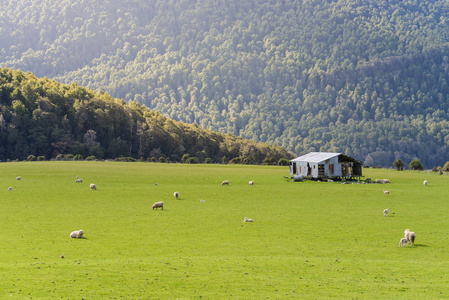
{"points": [[43, 118]]}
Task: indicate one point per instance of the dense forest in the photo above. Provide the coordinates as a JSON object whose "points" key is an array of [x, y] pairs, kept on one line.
{"points": [[41, 118], [366, 78]]}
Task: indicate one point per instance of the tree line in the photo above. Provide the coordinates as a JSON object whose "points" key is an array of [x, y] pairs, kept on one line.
{"points": [[44, 119]]}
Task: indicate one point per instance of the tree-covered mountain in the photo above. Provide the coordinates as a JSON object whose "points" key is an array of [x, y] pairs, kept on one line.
{"points": [[367, 78], [41, 117]]}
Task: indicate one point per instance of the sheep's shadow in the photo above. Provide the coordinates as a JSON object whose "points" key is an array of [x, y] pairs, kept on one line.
{"points": [[420, 245]]}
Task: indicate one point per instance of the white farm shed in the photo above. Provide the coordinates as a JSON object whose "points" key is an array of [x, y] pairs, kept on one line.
{"points": [[325, 165]]}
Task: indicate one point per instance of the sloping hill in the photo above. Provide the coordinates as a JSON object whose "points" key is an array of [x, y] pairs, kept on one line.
{"points": [[42, 117], [368, 78]]}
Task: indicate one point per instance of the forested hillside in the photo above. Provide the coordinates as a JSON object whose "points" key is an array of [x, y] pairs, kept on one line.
{"points": [[43, 118], [367, 78]]}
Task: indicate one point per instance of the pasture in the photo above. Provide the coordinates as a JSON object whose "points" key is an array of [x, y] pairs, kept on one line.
{"points": [[308, 240]]}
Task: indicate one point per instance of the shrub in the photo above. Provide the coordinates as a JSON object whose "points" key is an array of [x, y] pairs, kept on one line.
{"points": [[68, 157], [41, 158], [92, 157], [185, 158], [269, 160], [416, 165], [162, 159], [283, 162], [208, 160], [59, 157], [193, 160], [78, 157], [224, 160], [398, 164], [235, 160], [446, 167], [31, 158]]}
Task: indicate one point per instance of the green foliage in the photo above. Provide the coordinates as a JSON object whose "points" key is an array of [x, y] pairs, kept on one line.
{"points": [[185, 158], [162, 159], [446, 167], [90, 158], [69, 157], [283, 162], [416, 165], [193, 160], [31, 158], [65, 119], [208, 160], [398, 164], [358, 77], [78, 157]]}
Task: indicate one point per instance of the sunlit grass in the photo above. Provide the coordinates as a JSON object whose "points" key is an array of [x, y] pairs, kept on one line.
{"points": [[308, 240]]}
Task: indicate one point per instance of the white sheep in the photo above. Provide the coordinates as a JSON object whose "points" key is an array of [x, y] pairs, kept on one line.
{"points": [[176, 194], [425, 182], [251, 182], [386, 192], [77, 234], [386, 181], [79, 180], [410, 236], [18, 178], [93, 187], [385, 212], [10, 188], [225, 182], [403, 242], [158, 204], [248, 220], [202, 200]]}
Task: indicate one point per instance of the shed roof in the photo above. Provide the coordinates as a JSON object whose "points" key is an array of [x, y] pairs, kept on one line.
{"points": [[316, 157]]}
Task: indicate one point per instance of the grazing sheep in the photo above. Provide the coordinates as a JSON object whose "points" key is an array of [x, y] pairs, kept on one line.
{"points": [[385, 212], [425, 182], [93, 187], [410, 236], [368, 180], [386, 192], [10, 188], [158, 204], [251, 182], [403, 242], [330, 180], [225, 182], [176, 194], [77, 234], [18, 178], [202, 200], [378, 181], [79, 180], [248, 220], [386, 181]]}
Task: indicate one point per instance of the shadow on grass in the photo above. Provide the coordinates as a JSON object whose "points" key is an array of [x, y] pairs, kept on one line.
{"points": [[420, 245]]}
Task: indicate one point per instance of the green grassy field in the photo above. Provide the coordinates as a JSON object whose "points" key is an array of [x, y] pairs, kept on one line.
{"points": [[308, 240]]}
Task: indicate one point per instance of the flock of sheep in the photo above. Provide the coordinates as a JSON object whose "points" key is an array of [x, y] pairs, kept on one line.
{"points": [[408, 239], [410, 236]]}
